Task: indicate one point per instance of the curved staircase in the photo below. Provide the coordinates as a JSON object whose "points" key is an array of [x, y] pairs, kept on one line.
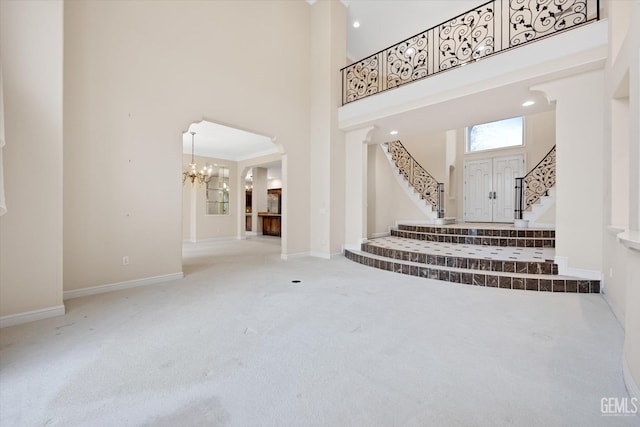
{"points": [[493, 255]]}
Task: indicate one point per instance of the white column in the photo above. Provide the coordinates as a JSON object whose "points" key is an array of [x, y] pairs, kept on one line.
{"points": [[450, 195], [326, 141], [579, 172], [356, 188], [258, 198]]}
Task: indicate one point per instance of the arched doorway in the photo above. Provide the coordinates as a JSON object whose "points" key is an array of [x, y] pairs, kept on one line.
{"points": [[215, 161]]}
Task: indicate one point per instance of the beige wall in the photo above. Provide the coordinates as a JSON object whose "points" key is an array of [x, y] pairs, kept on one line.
{"points": [[136, 74], [621, 163], [386, 199], [430, 150], [31, 45], [194, 216]]}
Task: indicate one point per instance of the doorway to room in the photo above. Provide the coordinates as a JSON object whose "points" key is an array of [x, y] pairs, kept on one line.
{"points": [[215, 159], [489, 194], [263, 199]]}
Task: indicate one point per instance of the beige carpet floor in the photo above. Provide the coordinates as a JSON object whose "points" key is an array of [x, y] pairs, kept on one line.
{"points": [[237, 343]]}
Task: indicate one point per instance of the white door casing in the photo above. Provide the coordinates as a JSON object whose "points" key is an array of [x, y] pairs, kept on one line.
{"points": [[489, 188]]}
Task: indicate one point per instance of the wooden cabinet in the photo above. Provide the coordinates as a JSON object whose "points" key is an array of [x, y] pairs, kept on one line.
{"points": [[271, 219], [271, 224]]}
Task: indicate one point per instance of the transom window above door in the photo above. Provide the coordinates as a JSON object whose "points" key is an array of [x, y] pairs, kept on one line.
{"points": [[494, 135]]}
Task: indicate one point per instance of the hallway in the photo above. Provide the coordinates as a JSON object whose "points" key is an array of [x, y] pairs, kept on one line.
{"points": [[238, 343]]}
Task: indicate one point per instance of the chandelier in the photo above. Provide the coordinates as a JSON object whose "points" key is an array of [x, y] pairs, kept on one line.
{"points": [[192, 173]]}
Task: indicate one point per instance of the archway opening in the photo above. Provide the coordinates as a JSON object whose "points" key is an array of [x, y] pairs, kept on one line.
{"points": [[218, 203]]}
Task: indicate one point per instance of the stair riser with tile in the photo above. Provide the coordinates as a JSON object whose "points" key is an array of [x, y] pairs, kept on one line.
{"points": [[488, 231], [504, 241], [527, 267], [518, 281]]}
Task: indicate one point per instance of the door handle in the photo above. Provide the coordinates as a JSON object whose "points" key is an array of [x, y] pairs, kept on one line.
{"points": [[490, 195], [494, 195]]}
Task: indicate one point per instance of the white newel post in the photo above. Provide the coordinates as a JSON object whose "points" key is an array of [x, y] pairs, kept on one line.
{"points": [[356, 188]]}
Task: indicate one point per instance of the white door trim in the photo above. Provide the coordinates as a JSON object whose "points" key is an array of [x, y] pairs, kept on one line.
{"points": [[491, 161]]}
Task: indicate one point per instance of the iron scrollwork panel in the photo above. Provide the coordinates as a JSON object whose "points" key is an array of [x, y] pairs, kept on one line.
{"points": [[467, 37], [362, 79], [415, 174], [540, 179], [532, 19], [401, 158], [426, 186], [407, 61]]}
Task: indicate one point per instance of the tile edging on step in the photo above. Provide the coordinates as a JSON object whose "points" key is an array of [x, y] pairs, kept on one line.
{"points": [[476, 278]]}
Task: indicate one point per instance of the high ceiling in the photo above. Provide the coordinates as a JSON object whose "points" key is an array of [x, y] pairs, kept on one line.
{"points": [[386, 22], [382, 24]]}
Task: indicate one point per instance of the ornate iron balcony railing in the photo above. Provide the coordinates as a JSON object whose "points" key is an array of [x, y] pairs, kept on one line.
{"points": [[422, 182], [493, 27], [536, 183]]}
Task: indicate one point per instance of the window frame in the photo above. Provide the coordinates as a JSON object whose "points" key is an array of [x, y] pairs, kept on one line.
{"points": [[488, 150], [221, 190]]}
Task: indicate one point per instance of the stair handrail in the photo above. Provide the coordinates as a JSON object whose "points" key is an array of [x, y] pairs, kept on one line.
{"points": [[536, 183], [417, 176]]}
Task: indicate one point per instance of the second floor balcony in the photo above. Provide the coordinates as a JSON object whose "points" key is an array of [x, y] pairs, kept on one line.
{"points": [[493, 27]]}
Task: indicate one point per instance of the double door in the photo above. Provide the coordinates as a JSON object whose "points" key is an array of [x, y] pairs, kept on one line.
{"points": [[489, 183]]}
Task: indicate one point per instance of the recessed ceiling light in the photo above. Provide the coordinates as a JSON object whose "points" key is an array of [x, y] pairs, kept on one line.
{"points": [[356, 24], [393, 132], [528, 103]]}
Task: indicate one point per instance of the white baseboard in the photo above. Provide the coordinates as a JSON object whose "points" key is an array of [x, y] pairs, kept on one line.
{"points": [[632, 386], [286, 257], [542, 225], [76, 293], [414, 222], [582, 273], [376, 235], [214, 239], [325, 255], [31, 316], [322, 255], [616, 312]]}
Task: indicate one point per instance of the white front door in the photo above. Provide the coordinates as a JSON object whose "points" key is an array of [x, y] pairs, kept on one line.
{"points": [[489, 188], [478, 185]]}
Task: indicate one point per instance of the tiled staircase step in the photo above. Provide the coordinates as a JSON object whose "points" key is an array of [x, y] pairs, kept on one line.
{"points": [[442, 254], [481, 231], [457, 249], [522, 281], [504, 241]]}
